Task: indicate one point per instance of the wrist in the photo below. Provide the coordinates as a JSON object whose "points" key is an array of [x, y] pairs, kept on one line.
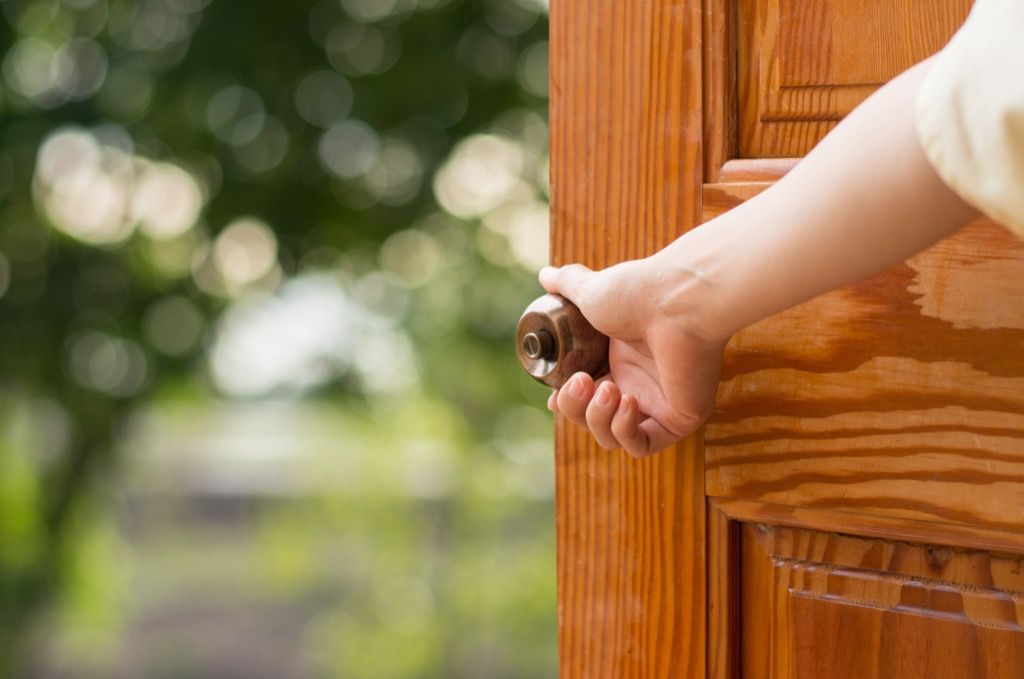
{"points": [[727, 271], [692, 289]]}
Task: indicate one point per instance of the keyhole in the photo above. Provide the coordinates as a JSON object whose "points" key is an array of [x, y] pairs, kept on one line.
{"points": [[538, 344]]}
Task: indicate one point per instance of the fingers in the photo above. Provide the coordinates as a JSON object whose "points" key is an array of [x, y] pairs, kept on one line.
{"points": [[658, 437], [626, 427], [639, 437], [574, 396], [614, 419], [568, 281], [589, 405], [600, 412]]}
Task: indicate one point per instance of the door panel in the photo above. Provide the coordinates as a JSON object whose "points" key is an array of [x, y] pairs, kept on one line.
{"points": [[902, 395], [855, 506], [804, 64], [865, 462], [827, 605]]}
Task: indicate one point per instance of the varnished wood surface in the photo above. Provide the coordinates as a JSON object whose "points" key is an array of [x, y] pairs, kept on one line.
{"points": [[630, 561], [804, 65], [867, 453], [742, 170], [901, 395], [721, 197], [827, 605], [721, 123], [865, 464], [858, 42], [724, 615], [956, 567], [891, 556], [626, 172], [977, 538]]}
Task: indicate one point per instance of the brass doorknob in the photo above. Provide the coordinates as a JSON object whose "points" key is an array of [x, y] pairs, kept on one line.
{"points": [[554, 341]]}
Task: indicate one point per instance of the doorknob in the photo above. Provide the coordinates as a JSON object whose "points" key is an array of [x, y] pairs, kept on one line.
{"points": [[554, 341]]}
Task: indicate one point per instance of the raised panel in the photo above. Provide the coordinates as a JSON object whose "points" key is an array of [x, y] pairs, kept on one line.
{"points": [[828, 605], [803, 65], [901, 395], [859, 42]]}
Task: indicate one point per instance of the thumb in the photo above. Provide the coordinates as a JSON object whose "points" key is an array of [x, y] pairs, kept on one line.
{"points": [[569, 281]]}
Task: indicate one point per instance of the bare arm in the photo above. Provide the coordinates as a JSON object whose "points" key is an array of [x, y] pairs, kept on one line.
{"points": [[864, 199]]}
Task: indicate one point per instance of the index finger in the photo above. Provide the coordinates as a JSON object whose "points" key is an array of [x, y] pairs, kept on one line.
{"points": [[568, 281]]}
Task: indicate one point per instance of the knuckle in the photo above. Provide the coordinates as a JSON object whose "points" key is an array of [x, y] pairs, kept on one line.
{"points": [[575, 268], [620, 433], [637, 452], [579, 420], [573, 416], [570, 406], [574, 276]]}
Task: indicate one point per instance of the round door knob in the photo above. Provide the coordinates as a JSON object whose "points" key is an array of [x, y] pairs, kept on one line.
{"points": [[554, 341]]}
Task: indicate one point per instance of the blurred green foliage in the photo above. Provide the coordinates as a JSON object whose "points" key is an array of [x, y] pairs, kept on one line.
{"points": [[259, 269]]}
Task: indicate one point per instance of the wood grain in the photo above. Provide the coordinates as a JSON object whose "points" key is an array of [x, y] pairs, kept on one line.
{"points": [[880, 526], [721, 197], [803, 65], [859, 42], [866, 456], [901, 395], [819, 604], [721, 124], [741, 170], [626, 179], [630, 560], [724, 619]]}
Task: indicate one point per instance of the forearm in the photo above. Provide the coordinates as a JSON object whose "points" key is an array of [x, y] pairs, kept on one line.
{"points": [[864, 199]]}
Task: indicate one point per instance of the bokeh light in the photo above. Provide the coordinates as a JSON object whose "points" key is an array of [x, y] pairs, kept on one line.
{"points": [[413, 256], [99, 194], [107, 364], [173, 325], [244, 253], [349, 149], [166, 200], [323, 98], [481, 172], [259, 271]]}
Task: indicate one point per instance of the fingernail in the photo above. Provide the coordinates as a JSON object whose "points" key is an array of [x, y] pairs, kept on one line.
{"points": [[604, 396], [547, 271], [576, 387]]}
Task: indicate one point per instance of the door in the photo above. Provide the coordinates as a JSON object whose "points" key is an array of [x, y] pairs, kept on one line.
{"points": [[855, 506]]}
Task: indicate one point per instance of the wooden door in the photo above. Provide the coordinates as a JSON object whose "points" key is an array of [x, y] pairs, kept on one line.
{"points": [[855, 506]]}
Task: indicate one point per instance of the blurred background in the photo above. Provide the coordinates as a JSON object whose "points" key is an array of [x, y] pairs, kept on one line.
{"points": [[260, 264]]}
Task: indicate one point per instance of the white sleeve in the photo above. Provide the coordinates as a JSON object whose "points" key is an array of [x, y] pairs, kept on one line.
{"points": [[970, 111]]}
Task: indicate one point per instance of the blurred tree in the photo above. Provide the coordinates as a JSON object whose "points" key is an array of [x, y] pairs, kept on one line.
{"points": [[164, 163]]}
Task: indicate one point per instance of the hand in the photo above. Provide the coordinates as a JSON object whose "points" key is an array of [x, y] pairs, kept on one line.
{"points": [[664, 369]]}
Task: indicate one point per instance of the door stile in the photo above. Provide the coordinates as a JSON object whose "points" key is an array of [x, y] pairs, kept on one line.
{"points": [[626, 176]]}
